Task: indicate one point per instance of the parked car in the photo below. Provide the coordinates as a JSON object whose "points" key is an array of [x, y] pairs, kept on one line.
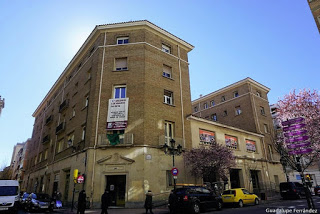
{"points": [[317, 190], [9, 195], [193, 199], [23, 199], [39, 202], [292, 190], [239, 197]]}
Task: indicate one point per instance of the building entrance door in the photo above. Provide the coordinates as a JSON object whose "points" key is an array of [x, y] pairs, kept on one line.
{"points": [[116, 185], [235, 178], [255, 181]]}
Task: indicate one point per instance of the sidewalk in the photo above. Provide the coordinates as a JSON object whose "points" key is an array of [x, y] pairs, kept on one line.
{"points": [[117, 211], [158, 210]]}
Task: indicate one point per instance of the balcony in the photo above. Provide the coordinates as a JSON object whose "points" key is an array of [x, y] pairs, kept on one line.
{"points": [[164, 139], [46, 139], [60, 128], [49, 119], [63, 105], [124, 140]]}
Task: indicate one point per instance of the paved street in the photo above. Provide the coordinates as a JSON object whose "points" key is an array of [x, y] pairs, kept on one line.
{"points": [[276, 206]]}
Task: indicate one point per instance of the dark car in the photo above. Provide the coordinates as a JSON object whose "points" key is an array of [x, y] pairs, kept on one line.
{"points": [[292, 190], [23, 199], [193, 199], [317, 190], [39, 202]]}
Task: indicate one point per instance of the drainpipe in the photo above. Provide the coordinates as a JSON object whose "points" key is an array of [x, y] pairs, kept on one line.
{"points": [[181, 99], [97, 122]]}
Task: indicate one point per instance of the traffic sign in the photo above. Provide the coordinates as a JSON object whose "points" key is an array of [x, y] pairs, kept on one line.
{"points": [[80, 179], [174, 171]]}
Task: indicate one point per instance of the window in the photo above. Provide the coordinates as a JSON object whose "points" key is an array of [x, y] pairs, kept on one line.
{"points": [[262, 110], [46, 154], [40, 157], [168, 97], [207, 137], [74, 112], [122, 40], [169, 178], [119, 92], [258, 93], [205, 105], [60, 145], [166, 48], [223, 98], [266, 128], [231, 142], [214, 117], [235, 94], [70, 140], [86, 103], [83, 133], [195, 108], [168, 131], [212, 103], [270, 151], [251, 146], [89, 74], [238, 110], [121, 64], [225, 113], [167, 71]]}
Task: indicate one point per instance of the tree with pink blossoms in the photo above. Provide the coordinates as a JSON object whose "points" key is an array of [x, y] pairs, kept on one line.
{"points": [[304, 104], [211, 162]]}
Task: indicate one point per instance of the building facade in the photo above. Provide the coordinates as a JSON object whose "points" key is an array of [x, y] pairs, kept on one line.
{"points": [[252, 171], [122, 97], [315, 10]]}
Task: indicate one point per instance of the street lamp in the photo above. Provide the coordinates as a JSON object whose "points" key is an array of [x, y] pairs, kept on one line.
{"points": [[172, 150]]}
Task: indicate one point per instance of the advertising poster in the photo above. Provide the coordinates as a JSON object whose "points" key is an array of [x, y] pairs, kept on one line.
{"points": [[207, 137], [251, 145], [231, 141]]}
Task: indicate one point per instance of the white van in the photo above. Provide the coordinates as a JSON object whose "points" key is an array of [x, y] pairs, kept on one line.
{"points": [[9, 195]]}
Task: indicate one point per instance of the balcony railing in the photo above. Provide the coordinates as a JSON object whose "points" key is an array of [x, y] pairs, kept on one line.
{"points": [[46, 139], [124, 140], [63, 105], [49, 119], [60, 128], [164, 139]]}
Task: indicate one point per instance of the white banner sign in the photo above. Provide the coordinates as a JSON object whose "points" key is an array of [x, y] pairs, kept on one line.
{"points": [[117, 111]]}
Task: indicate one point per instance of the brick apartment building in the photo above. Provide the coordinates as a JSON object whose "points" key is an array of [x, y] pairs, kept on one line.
{"points": [[315, 10], [146, 68], [243, 105]]}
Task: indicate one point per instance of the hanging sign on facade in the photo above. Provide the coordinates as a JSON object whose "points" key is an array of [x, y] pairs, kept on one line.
{"points": [[207, 137], [118, 114]]}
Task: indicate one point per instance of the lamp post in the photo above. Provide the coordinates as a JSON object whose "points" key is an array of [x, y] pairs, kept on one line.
{"points": [[172, 150]]}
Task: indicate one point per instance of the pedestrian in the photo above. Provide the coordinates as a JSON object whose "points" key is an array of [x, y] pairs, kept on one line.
{"points": [[148, 202], [105, 202], [82, 202], [173, 202]]}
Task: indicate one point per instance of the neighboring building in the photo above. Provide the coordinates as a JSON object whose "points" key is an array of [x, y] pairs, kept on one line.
{"points": [[242, 105], [142, 70], [16, 159], [315, 9], [252, 171], [1, 104], [19, 164]]}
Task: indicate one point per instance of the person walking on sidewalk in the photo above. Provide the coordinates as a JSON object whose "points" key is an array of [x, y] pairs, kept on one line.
{"points": [[82, 202], [105, 202], [148, 202]]}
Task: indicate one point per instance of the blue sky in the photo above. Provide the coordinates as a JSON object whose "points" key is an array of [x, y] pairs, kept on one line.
{"points": [[274, 42]]}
